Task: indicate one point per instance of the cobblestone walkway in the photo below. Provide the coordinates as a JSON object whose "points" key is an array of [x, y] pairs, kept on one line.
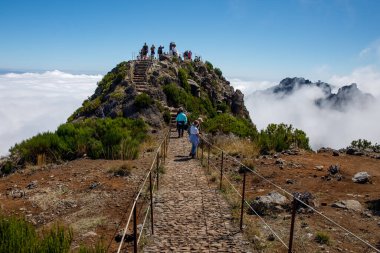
{"points": [[190, 215]]}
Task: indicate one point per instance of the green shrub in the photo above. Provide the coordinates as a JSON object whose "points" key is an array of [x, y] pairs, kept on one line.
{"points": [[218, 72], [364, 144], [143, 101], [209, 66], [90, 106], [177, 97], [17, 235], [46, 143], [183, 76], [7, 168], [167, 116], [322, 238], [226, 123], [98, 138], [115, 76], [280, 137], [222, 107]]}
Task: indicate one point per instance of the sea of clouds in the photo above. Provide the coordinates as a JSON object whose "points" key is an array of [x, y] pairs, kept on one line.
{"points": [[324, 127], [31, 103]]}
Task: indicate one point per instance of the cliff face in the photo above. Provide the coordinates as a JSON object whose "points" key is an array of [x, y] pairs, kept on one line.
{"points": [[149, 89]]}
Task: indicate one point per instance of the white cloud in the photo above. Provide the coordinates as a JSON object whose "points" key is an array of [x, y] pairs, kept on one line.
{"points": [[373, 50], [247, 87], [35, 102], [367, 78], [324, 127]]}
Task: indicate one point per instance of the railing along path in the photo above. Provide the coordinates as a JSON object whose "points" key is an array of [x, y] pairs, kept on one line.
{"points": [[295, 203], [158, 160]]}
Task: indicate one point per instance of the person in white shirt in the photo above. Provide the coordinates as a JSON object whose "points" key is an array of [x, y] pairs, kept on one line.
{"points": [[194, 138]]}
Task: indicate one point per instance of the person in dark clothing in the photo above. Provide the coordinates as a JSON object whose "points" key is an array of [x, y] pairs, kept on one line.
{"points": [[181, 120], [152, 51], [159, 51], [145, 51]]}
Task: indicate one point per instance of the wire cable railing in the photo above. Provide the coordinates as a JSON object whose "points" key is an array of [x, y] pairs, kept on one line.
{"points": [[296, 200], [159, 159]]}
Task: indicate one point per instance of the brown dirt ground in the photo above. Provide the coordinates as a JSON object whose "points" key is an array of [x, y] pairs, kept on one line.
{"points": [[63, 195], [301, 169]]}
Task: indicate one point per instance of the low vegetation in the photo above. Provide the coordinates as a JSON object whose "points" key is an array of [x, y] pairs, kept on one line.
{"points": [[97, 138], [178, 96], [322, 238], [17, 235], [227, 123], [143, 101], [122, 171], [278, 137], [365, 144]]}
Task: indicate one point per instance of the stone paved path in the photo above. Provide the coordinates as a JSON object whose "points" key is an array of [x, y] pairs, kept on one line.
{"points": [[190, 215]]}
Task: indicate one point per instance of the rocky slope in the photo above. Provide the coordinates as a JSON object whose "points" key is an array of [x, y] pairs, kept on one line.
{"points": [[116, 94]]}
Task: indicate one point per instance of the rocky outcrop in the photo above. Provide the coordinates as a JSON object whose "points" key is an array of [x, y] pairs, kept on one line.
{"points": [[116, 94], [347, 96]]}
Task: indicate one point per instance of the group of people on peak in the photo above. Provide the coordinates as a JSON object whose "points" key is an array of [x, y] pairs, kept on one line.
{"points": [[172, 52], [193, 130]]}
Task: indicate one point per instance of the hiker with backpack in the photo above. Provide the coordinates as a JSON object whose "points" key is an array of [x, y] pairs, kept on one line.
{"points": [[181, 120], [194, 138]]}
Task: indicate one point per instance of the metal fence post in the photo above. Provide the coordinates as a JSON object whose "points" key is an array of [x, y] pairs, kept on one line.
{"points": [[202, 154], [208, 158], [221, 171], [157, 165], [295, 202], [135, 229], [151, 200], [164, 151], [242, 202]]}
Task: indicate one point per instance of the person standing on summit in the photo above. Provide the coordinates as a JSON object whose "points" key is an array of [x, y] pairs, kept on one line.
{"points": [[145, 51], [152, 51]]}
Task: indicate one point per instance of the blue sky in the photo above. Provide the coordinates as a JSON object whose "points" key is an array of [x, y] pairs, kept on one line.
{"points": [[248, 39]]}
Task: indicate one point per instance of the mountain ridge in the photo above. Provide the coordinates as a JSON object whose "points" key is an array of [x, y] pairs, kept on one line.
{"points": [[346, 96]]}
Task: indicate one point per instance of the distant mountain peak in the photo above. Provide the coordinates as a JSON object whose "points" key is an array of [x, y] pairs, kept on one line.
{"points": [[349, 95]]}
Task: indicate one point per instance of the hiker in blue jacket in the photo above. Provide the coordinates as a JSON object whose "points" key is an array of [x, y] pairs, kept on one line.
{"points": [[181, 122]]}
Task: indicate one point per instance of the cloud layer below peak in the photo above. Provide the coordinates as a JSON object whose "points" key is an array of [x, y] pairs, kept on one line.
{"points": [[325, 127], [35, 102]]}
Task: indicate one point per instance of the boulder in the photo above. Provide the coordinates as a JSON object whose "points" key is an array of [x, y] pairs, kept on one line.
{"points": [[270, 203], [361, 177], [319, 167], [280, 161], [334, 169], [350, 204]]}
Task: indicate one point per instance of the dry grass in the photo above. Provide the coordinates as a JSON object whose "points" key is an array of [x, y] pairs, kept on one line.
{"points": [[149, 145], [236, 146]]}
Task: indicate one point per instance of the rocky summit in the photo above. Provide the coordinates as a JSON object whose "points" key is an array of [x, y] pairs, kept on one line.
{"points": [[150, 89]]}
